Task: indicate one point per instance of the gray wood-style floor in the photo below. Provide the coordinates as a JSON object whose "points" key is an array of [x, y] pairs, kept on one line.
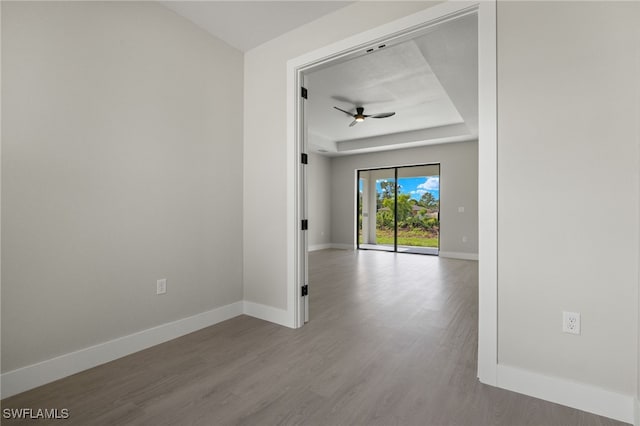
{"points": [[392, 341]]}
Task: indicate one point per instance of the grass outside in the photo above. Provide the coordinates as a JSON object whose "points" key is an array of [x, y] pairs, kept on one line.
{"points": [[406, 237]]}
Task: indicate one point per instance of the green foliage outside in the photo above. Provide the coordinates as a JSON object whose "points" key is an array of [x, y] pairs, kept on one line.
{"points": [[412, 214], [406, 238]]}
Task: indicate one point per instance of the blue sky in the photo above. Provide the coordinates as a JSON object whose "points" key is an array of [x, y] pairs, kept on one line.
{"points": [[416, 186]]}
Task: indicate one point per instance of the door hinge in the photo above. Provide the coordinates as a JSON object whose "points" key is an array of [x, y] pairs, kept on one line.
{"points": [[305, 290], [304, 93], [304, 158], [305, 224]]}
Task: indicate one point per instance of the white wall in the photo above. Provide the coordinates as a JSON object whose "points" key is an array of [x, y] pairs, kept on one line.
{"points": [[265, 138], [122, 164], [568, 174], [458, 188], [319, 193]]}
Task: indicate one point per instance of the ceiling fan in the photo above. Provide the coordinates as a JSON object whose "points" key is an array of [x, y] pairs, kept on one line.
{"points": [[359, 116]]}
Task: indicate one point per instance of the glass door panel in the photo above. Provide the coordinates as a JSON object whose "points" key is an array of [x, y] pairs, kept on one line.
{"points": [[362, 217], [419, 209]]}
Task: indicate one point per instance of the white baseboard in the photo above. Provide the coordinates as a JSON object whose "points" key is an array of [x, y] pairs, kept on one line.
{"points": [[31, 376], [268, 313], [316, 247], [572, 394], [458, 255], [342, 246]]}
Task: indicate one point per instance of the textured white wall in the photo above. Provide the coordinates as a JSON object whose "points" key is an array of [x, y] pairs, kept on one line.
{"points": [[458, 188], [122, 164], [568, 174], [265, 277]]}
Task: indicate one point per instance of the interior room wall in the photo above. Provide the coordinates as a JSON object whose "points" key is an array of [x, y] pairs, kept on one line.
{"points": [[568, 189], [319, 199], [265, 137], [121, 165], [458, 188]]}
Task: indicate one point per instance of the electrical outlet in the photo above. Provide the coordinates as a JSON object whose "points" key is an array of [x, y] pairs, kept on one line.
{"points": [[161, 286], [571, 322]]}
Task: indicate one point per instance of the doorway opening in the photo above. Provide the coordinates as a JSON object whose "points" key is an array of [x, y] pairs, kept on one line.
{"points": [[398, 209], [486, 121]]}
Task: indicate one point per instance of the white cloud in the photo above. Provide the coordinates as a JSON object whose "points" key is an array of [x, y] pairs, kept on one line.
{"points": [[419, 192], [432, 183]]}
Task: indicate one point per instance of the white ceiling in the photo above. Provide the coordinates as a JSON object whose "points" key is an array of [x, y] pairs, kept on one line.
{"points": [[431, 82], [396, 78], [247, 24]]}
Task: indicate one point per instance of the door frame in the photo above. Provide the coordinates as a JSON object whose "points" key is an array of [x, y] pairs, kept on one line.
{"points": [[487, 160]]}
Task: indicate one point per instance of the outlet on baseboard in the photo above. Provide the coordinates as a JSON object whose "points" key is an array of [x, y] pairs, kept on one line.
{"points": [[161, 286], [571, 322]]}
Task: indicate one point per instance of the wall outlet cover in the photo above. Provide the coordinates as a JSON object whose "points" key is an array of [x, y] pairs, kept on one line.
{"points": [[571, 322], [161, 286]]}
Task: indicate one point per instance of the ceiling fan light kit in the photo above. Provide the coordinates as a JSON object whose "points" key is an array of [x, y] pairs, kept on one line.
{"points": [[359, 115]]}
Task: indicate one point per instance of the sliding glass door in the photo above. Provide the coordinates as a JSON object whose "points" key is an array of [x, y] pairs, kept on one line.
{"points": [[399, 209]]}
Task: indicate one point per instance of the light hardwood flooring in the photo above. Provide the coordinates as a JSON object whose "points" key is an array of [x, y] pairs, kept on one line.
{"points": [[392, 341]]}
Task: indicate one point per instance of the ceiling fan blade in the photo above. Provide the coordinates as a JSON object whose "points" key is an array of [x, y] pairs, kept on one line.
{"points": [[353, 123], [382, 115], [346, 112]]}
